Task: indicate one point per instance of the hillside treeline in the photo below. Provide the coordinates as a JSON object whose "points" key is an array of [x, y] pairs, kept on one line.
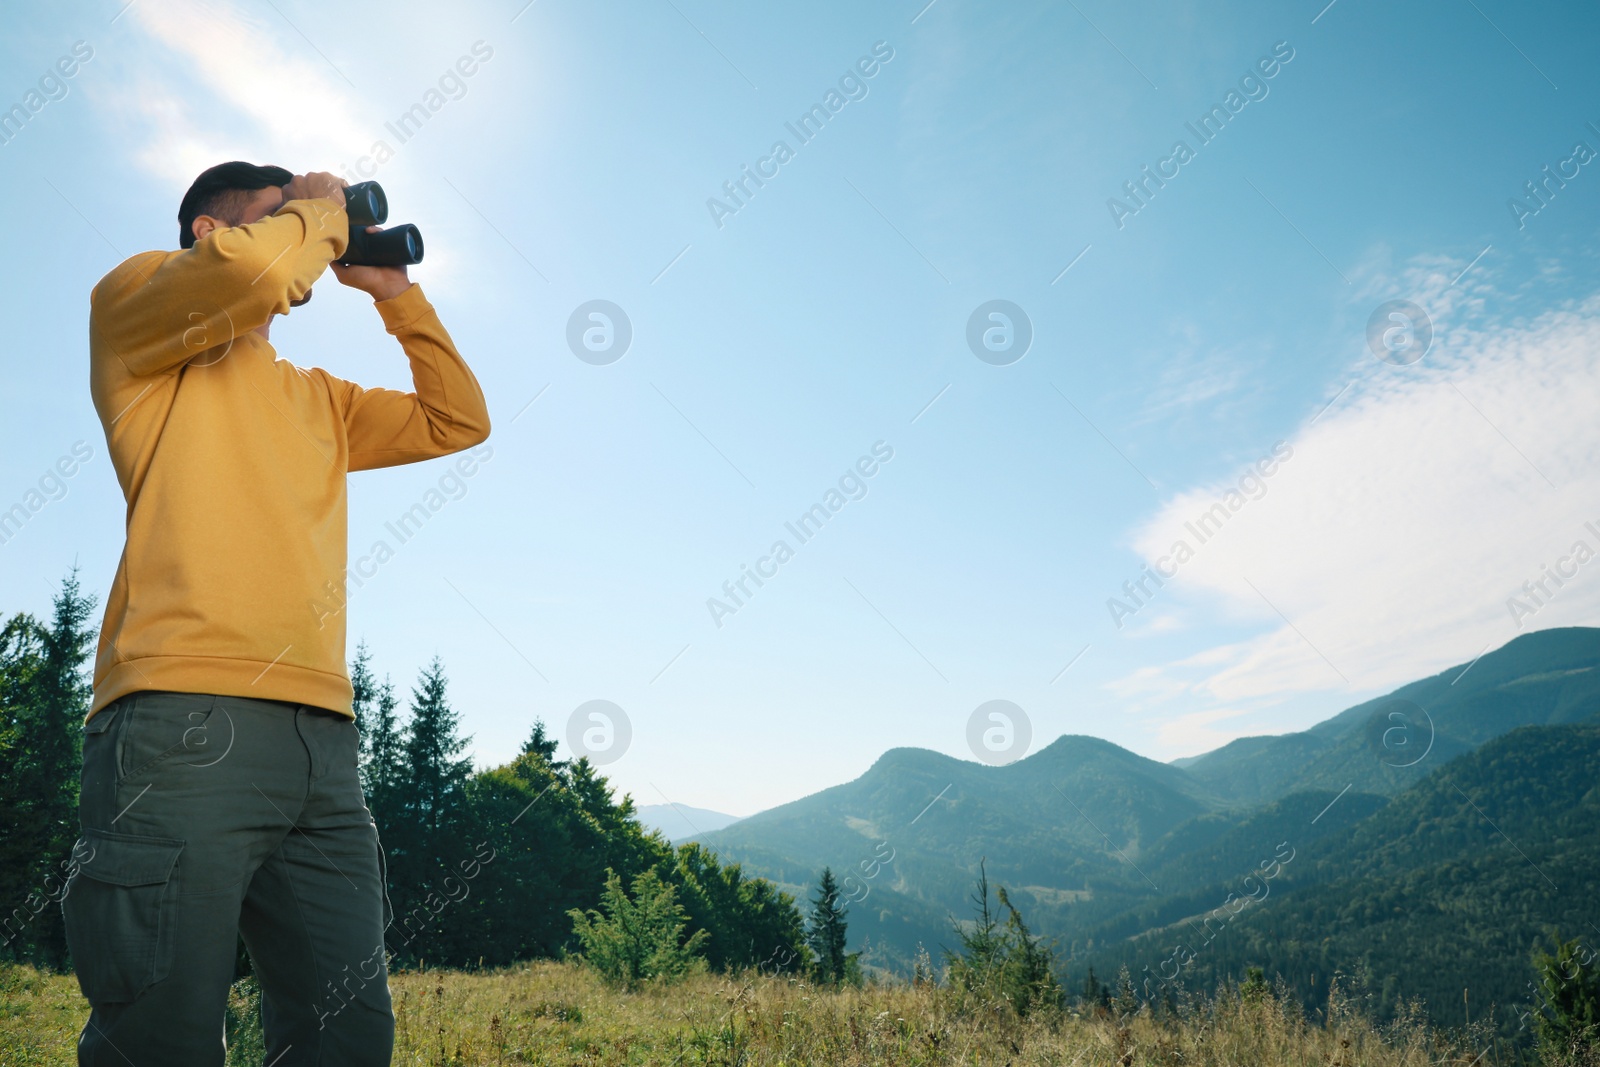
{"points": [[484, 866]]}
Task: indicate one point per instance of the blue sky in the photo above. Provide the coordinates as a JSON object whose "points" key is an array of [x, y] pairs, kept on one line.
{"points": [[1169, 354]]}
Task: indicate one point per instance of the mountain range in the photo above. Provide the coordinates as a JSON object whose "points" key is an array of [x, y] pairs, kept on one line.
{"points": [[679, 822], [1395, 811]]}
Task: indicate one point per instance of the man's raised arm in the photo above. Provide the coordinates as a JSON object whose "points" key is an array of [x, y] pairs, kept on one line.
{"points": [[164, 308], [445, 414]]}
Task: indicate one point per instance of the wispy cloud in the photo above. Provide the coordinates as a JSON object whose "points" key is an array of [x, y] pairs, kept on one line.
{"points": [[1412, 508], [212, 81], [1196, 376]]}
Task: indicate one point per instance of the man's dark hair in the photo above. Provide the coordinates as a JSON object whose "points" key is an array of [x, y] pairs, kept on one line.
{"points": [[221, 192]]}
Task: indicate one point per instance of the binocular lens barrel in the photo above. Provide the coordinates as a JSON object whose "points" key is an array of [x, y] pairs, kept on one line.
{"points": [[366, 205], [398, 246]]}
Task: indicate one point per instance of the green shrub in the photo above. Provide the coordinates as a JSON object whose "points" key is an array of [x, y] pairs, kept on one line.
{"points": [[641, 939], [1255, 986], [1002, 964], [1569, 995]]}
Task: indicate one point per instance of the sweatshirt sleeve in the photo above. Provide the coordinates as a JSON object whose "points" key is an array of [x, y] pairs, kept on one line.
{"points": [[162, 310], [445, 414]]}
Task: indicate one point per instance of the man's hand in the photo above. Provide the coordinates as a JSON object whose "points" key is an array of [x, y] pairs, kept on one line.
{"points": [[314, 186], [380, 283]]}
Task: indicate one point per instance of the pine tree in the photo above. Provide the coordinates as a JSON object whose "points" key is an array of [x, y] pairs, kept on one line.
{"points": [[1028, 974], [364, 689], [1003, 965], [429, 837], [46, 709], [540, 743], [1093, 989], [383, 773], [436, 778], [620, 842], [65, 692], [21, 661], [827, 933], [975, 967]]}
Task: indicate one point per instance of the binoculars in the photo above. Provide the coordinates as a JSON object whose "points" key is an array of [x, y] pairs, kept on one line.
{"points": [[398, 246]]}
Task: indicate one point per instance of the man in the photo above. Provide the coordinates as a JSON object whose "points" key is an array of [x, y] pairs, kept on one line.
{"points": [[219, 791]]}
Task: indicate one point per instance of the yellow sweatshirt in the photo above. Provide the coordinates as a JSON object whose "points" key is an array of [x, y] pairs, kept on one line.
{"points": [[233, 461]]}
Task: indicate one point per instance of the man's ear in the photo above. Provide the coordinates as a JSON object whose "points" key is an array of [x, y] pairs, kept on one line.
{"points": [[204, 224]]}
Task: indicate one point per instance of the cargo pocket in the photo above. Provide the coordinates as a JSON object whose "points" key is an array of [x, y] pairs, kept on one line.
{"points": [[120, 910], [102, 720], [97, 781]]}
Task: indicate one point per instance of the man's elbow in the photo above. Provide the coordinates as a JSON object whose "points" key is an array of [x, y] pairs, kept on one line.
{"points": [[465, 433]]}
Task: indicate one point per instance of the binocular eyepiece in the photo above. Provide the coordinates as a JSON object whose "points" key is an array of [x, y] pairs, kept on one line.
{"points": [[398, 246]]}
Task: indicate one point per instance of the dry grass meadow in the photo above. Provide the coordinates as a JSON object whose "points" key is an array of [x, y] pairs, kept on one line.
{"points": [[560, 1013]]}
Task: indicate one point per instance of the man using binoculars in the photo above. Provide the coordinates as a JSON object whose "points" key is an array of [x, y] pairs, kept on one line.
{"points": [[219, 793]]}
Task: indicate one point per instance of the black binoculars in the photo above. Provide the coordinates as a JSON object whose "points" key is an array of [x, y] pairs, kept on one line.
{"points": [[399, 246]]}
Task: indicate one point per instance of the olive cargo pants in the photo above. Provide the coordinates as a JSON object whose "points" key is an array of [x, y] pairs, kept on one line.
{"points": [[204, 818]]}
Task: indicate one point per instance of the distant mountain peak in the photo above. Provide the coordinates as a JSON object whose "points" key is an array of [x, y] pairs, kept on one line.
{"points": [[676, 822]]}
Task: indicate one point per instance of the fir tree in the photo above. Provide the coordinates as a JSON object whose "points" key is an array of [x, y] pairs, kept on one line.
{"points": [[21, 662], [543, 745], [364, 689], [436, 776], [1028, 974], [974, 968], [826, 936], [429, 837], [1003, 965], [48, 693], [384, 772], [1094, 990]]}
